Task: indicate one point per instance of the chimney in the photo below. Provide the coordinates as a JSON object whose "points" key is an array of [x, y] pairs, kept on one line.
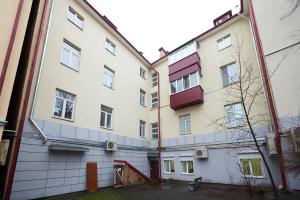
{"points": [[162, 52]]}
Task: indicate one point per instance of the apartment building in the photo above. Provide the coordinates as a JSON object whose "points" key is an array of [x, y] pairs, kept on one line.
{"points": [[91, 86]]}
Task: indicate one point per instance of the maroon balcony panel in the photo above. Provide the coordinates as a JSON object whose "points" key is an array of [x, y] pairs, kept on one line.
{"points": [[184, 63], [185, 71], [186, 98]]}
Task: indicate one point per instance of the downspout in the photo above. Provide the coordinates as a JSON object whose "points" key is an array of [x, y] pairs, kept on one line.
{"points": [[31, 119], [269, 95], [158, 122], [7, 191]]}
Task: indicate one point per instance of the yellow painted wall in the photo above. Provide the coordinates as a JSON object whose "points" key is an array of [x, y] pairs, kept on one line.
{"points": [[212, 59]]}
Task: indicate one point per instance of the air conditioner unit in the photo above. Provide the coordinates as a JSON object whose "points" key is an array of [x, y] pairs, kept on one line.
{"points": [[271, 146], [111, 146], [201, 152], [295, 132]]}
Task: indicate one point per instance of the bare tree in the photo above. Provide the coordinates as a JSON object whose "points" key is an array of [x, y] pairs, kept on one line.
{"points": [[247, 88]]}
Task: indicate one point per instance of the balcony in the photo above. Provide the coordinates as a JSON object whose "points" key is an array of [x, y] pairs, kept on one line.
{"points": [[186, 98], [185, 65]]}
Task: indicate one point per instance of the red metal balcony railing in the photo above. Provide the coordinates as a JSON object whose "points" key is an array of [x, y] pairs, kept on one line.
{"points": [[186, 98]]}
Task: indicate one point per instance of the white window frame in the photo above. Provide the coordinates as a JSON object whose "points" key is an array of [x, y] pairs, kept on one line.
{"points": [[110, 76], [142, 98], [142, 129], [224, 42], [231, 78], [73, 51], [110, 46], [65, 100], [142, 73], [183, 52], [154, 100], [186, 132], [246, 157], [154, 77], [181, 83], [186, 166], [76, 19], [153, 130], [105, 118], [167, 161], [230, 111]]}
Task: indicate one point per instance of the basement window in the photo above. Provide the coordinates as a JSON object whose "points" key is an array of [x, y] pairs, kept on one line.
{"points": [[187, 167], [169, 166], [251, 167]]}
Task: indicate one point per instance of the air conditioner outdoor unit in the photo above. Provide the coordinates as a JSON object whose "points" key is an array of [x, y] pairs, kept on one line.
{"points": [[271, 146], [201, 152], [295, 132], [111, 146]]}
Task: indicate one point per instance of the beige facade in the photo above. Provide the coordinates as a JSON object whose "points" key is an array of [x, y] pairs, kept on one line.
{"points": [[279, 31], [8, 21], [215, 95]]}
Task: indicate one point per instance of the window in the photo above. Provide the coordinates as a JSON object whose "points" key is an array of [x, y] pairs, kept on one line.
{"points": [[111, 47], [74, 17], [187, 167], [224, 42], [235, 115], [108, 77], [70, 55], [154, 130], [229, 74], [106, 117], [64, 105], [169, 166], [142, 129], [183, 52], [142, 97], [142, 73], [187, 82], [154, 99], [185, 124], [251, 167], [154, 79]]}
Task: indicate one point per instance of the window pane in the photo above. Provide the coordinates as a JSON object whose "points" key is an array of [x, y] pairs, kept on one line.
{"points": [[232, 73], [256, 167], [225, 76], [194, 79], [102, 119], [245, 166], [173, 87], [190, 167], [172, 167], [108, 120], [65, 56], [58, 107], [186, 82], [183, 167], [69, 109], [179, 85], [74, 61]]}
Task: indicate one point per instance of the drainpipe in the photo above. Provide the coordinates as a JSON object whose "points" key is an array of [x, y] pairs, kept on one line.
{"points": [[158, 119], [11, 172], [31, 119], [269, 95]]}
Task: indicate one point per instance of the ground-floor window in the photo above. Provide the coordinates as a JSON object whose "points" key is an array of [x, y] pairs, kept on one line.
{"points": [[169, 166], [187, 167], [251, 167]]}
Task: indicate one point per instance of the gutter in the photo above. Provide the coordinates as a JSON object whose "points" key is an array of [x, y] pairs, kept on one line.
{"points": [[31, 119], [15, 152], [269, 95], [158, 122]]}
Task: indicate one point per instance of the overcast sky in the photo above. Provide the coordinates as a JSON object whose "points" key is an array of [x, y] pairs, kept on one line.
{"points": [[151, 24]]}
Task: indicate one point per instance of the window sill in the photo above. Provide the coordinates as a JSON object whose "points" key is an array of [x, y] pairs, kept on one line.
{"points": [[144, 138], [76, 70], [258, 177], [230, 84], [153, 108], [233, 127], [143, 105], [81, 28], [224, 48], [109, 87], [188, 174], [172, 173], [110, 129], [111, 52], [61, 118], [183, 134]]}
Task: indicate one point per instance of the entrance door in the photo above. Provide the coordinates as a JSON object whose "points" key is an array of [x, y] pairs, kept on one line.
{"points": [[154, 172]]}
